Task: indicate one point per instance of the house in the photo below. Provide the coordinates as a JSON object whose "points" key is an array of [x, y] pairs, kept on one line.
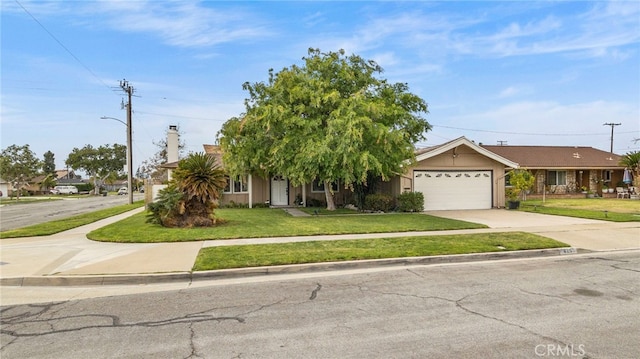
{"points": [[565, 169], [456, 175], [62, 177]]}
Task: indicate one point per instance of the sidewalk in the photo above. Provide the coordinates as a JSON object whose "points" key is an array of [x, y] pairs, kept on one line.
{"points": [[68, 258]]}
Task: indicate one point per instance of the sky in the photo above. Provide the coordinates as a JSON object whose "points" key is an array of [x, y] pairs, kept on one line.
{"points": [[496, 72]]}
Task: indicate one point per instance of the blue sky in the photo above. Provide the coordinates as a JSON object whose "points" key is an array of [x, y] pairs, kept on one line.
{"points": [[528, 73]]}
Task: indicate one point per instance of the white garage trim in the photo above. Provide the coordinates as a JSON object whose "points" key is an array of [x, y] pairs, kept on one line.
{"points": [[454, 189]]}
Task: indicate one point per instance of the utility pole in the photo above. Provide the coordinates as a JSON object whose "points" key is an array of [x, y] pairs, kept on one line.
{"points": [[128, 89], [612, 126]]}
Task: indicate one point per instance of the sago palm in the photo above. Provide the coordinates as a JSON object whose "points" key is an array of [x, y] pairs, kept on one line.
{"points": [[201, 181]]}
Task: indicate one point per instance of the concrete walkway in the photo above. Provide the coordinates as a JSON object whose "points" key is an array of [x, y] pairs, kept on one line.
{"points": [[70, 253]]}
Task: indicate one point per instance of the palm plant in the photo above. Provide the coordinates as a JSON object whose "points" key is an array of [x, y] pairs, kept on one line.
{"points": [[631, 160], [200, 181]]}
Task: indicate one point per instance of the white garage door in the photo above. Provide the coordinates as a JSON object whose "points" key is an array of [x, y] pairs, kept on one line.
{"points": [[444, 190]]}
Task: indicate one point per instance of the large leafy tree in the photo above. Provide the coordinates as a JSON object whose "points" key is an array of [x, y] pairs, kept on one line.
{"points": [[99, 162], [331, 119], [192, 194], [18, 165]]}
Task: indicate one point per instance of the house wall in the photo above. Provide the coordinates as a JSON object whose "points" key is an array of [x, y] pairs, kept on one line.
{"points": [[464, 158], [4, 189]]}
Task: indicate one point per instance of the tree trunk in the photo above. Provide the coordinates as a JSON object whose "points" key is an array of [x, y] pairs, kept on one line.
{"points": [[96, 190], [331, 206]]}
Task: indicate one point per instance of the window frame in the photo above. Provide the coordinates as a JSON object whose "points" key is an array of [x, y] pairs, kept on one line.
{"points": [[318, 187], [552, 177], [242, 182]]}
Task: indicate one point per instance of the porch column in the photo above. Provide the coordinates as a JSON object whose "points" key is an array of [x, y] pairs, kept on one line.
{"points": [[250, 184]]}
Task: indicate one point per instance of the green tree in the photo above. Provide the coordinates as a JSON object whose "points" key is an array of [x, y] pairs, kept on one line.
{"points": [[18, 166], [631, 160], [48, 182], [99, 162], [521, 181], [192, 194], [331, 119], [49, 163]]}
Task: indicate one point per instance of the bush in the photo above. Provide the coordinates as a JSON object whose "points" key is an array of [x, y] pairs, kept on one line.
{"points": [[378, 202], [312, 202], [84, 187], [411, 202]]}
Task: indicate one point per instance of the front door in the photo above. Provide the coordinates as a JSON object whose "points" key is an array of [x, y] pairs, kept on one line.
{"points": [[279, 191]]}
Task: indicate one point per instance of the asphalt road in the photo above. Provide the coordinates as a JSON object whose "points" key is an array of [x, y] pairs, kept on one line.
{"points": [[581, 306], [22, 215]]}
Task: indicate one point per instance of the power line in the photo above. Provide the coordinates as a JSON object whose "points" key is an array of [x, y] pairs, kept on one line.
{"points": [[527, 133], [62, 45]]}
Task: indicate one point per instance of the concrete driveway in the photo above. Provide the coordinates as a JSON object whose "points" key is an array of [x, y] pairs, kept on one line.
{"points": [[578, 232]]}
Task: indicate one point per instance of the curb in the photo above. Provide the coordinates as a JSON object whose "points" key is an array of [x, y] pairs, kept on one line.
{"points": [[138, 279]]}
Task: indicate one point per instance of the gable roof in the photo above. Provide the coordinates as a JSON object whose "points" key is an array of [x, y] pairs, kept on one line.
{"points": [[560, 157], [423, 154]]}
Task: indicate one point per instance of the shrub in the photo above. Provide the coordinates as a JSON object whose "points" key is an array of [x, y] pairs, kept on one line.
{"points": [[411, 202], [312, 202], [378, 202]]}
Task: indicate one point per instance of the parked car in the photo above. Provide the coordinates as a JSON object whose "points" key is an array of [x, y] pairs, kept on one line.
{"points": [[65, 190], [122, 190]]}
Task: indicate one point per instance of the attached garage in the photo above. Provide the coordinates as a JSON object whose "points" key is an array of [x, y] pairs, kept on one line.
{"points": [[457, 175], [448, 189]]}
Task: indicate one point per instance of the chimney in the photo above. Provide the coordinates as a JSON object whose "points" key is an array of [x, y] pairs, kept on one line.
{"points": [[172, 144]]}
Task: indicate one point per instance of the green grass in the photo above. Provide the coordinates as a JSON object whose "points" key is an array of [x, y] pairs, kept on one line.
{"points": [[324, 212], [48, 228], [597, 208], [266, 222], [331, 251]]}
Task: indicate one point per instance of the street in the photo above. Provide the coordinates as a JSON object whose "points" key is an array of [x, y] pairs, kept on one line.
{"points": [[581, 306], [22, 215]]}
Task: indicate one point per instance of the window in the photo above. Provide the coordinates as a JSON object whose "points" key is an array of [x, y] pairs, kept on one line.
{"points": [[557, 178], [507, 179], [606, 175], [318, 186], [238, 185]]}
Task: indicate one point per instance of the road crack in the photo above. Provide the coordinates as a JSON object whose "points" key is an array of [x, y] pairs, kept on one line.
{"points": [[314, 293]]}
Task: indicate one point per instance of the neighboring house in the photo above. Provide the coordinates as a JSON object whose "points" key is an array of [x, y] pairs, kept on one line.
{"points": [[63, 178], [565, 169], [4, 188]]}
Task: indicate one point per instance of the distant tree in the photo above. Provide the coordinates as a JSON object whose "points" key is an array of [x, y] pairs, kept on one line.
{"points": [[48, 182], [150, 168], [49, 163], [99, 162], [18, 165], [192, 194], [330, 120]]}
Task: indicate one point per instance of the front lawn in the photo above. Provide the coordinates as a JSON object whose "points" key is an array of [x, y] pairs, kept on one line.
{"points": [[610, 209], [225, 257], [267, 222]]}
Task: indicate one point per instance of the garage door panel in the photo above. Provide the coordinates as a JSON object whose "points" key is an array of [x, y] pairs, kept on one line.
{"points": [[444, 190]]}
